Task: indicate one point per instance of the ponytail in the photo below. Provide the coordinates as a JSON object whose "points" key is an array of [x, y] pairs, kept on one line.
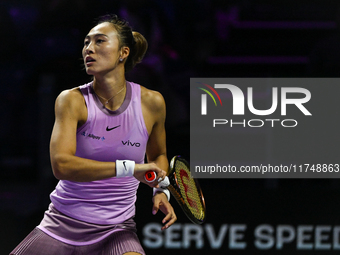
{"points": [[138, 51]]}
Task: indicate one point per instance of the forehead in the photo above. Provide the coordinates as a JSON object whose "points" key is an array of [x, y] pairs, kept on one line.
{"points": [[105, 28]]}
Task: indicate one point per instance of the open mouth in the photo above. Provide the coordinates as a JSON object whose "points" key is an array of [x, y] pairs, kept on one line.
{"points": [[89, 60]]}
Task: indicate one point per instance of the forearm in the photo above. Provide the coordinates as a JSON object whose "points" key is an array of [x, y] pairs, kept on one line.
{"points": [[73, 168], [161, 161]]}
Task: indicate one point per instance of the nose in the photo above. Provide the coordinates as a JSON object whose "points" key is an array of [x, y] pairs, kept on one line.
{"points": [[88, 48]]}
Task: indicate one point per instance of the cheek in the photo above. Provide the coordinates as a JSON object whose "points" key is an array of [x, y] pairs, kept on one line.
{"points": [[110, 55], [110, 50]]}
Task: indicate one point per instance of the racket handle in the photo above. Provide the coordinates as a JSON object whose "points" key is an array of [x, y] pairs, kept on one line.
{"points": [[150, 176]]}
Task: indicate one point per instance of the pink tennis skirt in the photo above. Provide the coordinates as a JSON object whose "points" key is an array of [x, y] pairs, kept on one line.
{"points": [[39, 243]]}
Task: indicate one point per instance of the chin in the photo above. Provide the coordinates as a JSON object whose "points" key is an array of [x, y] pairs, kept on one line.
{"points": [[90, 72]]}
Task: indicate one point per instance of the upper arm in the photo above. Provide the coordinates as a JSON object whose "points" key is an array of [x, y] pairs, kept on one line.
{"points": [[69, 112], [155, 119]]}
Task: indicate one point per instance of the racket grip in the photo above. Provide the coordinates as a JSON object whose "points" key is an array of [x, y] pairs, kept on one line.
{"points": [[150, 176]]}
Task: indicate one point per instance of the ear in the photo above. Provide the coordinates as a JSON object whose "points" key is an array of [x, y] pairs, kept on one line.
{"points": [[124, 52]]}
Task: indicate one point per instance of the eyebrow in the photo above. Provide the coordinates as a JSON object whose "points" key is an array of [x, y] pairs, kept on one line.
{"points": [[95, 35]]}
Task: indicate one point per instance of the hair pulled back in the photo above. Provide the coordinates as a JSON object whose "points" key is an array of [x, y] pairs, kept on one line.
{"points": [[132, 39]]}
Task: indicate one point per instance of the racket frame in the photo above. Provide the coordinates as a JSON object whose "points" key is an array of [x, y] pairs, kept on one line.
{"points": [[174, 188]]}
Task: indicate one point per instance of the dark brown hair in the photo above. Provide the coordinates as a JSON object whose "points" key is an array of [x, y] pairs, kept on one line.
{"points": [[134, 40]]}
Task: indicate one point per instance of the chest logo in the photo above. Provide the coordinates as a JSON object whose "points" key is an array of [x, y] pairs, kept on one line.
{"points": [[109, 129], [128, 143], [93, 136]]}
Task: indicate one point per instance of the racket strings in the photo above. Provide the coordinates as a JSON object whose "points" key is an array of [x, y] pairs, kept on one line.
{"points": [[188, 189], [177, 195]]}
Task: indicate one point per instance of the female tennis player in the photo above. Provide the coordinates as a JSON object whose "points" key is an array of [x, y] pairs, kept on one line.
{"points": [[101, 134]]}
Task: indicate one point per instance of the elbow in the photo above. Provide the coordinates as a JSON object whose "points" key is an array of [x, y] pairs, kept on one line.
{"points": [[57, 173], [59, 167]]}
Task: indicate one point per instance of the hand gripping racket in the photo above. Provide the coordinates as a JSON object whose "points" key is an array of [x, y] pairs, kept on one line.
{"points": [[185, 189]]}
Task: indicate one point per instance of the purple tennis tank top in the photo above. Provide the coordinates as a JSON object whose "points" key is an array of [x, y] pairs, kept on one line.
{"points": [[106, 136]]}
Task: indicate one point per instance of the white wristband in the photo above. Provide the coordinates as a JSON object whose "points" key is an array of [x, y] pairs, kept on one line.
{"points": [[165, 191], [165, 183], [125, 168]]}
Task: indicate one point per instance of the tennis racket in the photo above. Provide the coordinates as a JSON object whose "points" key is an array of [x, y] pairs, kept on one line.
{"points": [[184, 188]]}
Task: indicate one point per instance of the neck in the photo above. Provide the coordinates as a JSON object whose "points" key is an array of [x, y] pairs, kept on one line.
{"points": [[110, 90], [108, 83]]}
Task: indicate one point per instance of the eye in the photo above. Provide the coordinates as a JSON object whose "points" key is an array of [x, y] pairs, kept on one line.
{"points": [[86, 43], [100, 41]]}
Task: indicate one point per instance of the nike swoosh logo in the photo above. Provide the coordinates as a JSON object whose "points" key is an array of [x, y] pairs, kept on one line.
{"points": [[109, 129], [124, 165]]}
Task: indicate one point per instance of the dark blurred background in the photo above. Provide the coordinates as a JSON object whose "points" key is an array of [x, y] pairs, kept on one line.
{"points": [[40, 52]]}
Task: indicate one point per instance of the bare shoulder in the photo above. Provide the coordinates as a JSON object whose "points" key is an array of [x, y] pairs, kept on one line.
{"points": [[70, 95], [152, 99], [72, 102], [70, 98]]}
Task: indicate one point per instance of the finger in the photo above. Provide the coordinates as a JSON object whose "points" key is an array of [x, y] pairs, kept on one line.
{"points": [[172, 220], [170, 215], [155, 184], [167, 218], [160, 175], [156, 205], [155, 208]]}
